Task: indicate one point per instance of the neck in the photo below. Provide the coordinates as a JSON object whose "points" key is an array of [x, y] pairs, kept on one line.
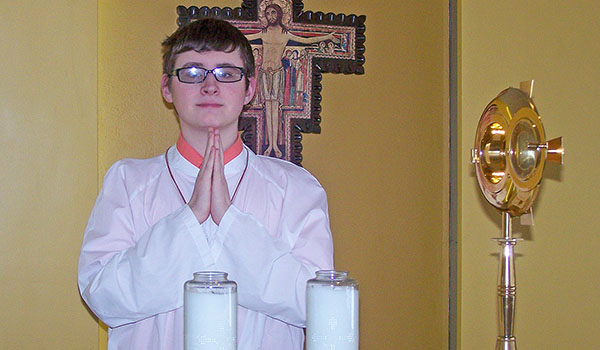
{"points": [[198, 140]]}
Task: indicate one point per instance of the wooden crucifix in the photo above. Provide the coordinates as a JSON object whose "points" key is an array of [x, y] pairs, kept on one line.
{"points": [[292, 48]]}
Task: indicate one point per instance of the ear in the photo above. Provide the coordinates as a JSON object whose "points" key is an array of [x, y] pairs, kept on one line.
{"points": [[165, 89], [250, 90]]}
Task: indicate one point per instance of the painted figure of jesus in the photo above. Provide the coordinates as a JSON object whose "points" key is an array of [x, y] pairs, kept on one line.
{"points": [[275, 37]]}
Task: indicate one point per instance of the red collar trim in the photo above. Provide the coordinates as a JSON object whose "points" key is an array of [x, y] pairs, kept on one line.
{"points": [[192, 156]]}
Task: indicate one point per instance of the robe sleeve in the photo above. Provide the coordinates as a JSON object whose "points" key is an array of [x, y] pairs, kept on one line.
{"points": [[123, 279], [272, 269]]}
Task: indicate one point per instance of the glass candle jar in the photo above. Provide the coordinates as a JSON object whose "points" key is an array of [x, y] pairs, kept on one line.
{"points": [[332, 311], [210, 312]]}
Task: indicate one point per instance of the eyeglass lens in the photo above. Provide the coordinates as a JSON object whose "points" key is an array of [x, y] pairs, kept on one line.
{"points": [[195, 75]]}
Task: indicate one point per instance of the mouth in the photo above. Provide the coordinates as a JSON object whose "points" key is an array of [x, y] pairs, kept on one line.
{"points": [[209, 105]]}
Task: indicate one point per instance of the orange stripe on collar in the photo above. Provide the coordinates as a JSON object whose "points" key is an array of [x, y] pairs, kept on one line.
{"points": [[192, 156]]}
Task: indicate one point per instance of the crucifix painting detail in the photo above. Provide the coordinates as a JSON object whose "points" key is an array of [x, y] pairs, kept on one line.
{"points": [[291, 48]]}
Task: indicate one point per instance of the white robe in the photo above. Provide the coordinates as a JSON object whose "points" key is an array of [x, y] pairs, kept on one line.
{"points": [[142, 243]]}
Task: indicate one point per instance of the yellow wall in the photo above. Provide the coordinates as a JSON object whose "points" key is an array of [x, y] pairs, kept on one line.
{"points": [[380, 155], [49, 168], [503, 43]]}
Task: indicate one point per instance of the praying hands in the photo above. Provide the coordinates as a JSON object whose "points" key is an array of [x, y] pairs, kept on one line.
{"points": [[211, 196]]}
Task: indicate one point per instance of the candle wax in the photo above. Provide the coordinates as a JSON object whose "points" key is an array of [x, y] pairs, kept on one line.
{"points": [[210, 321], [332, 318]]}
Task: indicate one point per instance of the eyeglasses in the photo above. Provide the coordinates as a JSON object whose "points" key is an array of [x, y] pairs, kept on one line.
{"points": [[196, 75]]}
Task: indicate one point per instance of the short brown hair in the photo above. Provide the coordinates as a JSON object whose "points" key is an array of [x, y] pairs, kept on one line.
{"points": [[208, 34]]}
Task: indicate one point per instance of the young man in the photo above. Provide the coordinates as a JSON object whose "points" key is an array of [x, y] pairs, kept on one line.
{"points": [[208, 203]]}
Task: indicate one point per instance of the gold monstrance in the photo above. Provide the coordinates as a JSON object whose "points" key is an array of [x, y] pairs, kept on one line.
{"points": [[509, 156]]}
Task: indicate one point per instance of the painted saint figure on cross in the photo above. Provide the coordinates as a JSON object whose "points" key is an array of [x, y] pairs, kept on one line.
{"points": [[275, 37]]}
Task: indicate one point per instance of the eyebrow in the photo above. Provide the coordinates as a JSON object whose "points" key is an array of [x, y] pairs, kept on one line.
{"points": [[200, 65]]}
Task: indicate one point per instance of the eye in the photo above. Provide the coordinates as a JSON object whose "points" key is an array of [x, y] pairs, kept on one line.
{"points": [[228, 74], [224, 73], [193, 72]]}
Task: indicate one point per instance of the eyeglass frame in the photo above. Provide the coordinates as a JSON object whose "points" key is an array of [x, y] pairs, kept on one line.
{"points": [[206, 71]]}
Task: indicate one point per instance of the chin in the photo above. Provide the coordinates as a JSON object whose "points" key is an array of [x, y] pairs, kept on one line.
{"points": [[219, 124]]}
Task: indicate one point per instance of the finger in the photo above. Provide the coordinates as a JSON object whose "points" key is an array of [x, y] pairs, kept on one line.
{"points": [[209, 146], [210, 141], [219, 145], [210, 166], [200, 202], [218, 166], [220, 200]]}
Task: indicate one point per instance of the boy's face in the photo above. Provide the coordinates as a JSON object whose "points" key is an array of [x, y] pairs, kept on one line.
{"points": [[210, 103]]}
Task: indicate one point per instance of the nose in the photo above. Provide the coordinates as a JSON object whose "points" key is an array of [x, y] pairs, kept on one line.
{"points": [[210, 85]]}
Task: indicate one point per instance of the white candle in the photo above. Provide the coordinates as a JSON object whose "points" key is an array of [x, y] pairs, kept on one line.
{"points": [[210, 312], [332, 318], [210, 321]]}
